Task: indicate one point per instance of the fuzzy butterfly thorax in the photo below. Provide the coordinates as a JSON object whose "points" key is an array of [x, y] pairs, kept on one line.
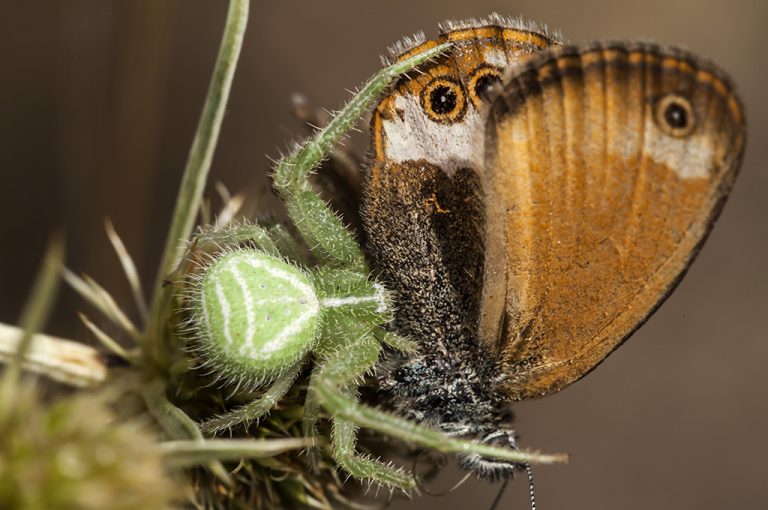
{"points": [[532, 204]]}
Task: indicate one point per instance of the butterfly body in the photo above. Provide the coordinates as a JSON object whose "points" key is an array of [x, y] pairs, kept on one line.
{"points": [[531, 205]]}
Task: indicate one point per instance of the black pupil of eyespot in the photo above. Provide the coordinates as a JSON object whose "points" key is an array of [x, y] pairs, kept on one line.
{"points": [[443, 99], [484, 85], [676, 116]]}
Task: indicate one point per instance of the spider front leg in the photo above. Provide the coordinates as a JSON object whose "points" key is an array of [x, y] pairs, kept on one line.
{"points": [[312, 405], [332, 396], [340, 370], [363, 467], [321, 228]]}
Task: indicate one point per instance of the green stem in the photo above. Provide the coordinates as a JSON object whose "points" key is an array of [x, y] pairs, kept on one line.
{"points": [[196, 173], [192, 453], [175, 422], [32, 319]]}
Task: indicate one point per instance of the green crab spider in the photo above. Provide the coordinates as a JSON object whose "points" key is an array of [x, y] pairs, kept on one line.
{"points": [[257, 314]]}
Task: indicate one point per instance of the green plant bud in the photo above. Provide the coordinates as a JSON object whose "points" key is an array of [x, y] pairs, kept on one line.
{"points": [[255, 315], [74, 454]]}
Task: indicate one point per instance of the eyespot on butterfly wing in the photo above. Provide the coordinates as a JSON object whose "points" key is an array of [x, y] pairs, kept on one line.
{"points": [[605, 168], [526, 228]]}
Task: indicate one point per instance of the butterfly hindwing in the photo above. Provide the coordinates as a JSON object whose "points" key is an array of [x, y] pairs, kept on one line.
{"points": [[605, 167]]}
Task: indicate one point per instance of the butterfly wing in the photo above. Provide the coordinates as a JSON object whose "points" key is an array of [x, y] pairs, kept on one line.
{"points": [[605, 169]]}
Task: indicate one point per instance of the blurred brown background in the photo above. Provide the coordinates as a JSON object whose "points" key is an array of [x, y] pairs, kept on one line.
{"points": [[98, 103]]}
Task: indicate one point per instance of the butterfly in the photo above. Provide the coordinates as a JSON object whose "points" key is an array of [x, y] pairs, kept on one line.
{"points": [[531, 204]]}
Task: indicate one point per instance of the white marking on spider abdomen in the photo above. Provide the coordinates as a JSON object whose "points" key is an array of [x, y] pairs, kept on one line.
{"points": [[225, 312], [307, 299], [450, 146], [336, 302], [250, 314], [257, 311], [381, 298]]}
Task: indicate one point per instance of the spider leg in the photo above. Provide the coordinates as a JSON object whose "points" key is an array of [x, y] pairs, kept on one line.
{"points": [[256, 409], [362, 466], [208, 242], [321, 228], [397, 342], [340, 370], [286, 244], [338, 178], [331, 395], [235, 235]]}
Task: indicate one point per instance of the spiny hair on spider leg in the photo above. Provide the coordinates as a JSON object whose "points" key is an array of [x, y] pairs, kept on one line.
{"points": [[210, 243], [247, 424], [208, 230], [340, 349], [334, 214], [285, 160], [339, 281], [226, 244], [368, 457], [369, 484], [334, 113], [315, 127], [275, 160]]}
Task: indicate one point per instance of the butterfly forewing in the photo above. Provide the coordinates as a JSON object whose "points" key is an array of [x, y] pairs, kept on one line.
{"points": [[605, 167]]}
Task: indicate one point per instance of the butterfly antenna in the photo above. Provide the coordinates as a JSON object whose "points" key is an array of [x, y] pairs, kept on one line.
{"points": [[531, 490], [503, 488]]}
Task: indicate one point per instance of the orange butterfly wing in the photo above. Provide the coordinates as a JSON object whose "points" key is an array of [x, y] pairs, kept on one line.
{"points": [[605, 169]]}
